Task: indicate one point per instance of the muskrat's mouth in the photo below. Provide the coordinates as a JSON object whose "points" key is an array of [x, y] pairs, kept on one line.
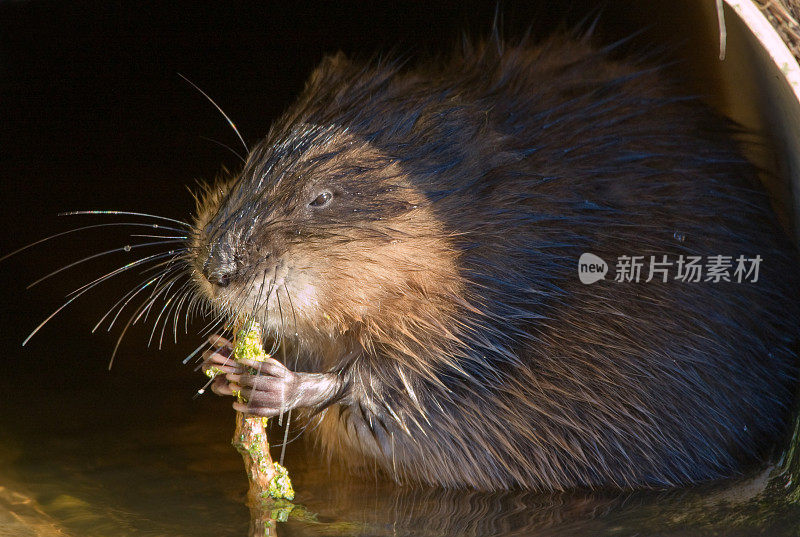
{"points": [[268, 299]]}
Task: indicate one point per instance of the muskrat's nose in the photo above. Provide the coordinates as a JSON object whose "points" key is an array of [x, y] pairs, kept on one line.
{"points": [[216, 277], [219, 279]]}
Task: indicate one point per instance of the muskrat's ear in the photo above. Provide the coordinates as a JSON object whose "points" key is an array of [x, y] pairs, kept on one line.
{"points": [[331, 70]]}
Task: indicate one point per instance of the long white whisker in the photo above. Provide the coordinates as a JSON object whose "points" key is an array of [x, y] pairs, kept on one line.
{"points": [[179, 306], [184, 237], [75, 294], [230, 122], [216, 320], [175, 304], [120, 270], [294, 367], [126, 248], [172, 300], [158, 278], [181, 255], [194, 306], [134, 316], [257, 302], [283, 350], [127, 297], [166, 305], [194, 352], [289, 414], [190, 310], [64, 305], [216, 324], [285, 435], [226, 146], [203, 388], [158, 289], [266, 310], [128, 213], [82, 228], [119, 341], [294, 321]]}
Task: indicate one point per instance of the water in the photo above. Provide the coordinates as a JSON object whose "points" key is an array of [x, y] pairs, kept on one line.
{"points": [[86, 452]]}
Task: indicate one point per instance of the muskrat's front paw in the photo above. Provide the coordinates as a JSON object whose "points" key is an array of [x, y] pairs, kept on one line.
{"points": [[271, 390], [218, 361]]}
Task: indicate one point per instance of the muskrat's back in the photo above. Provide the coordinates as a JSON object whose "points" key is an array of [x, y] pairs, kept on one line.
{"points": [[424, 226]]}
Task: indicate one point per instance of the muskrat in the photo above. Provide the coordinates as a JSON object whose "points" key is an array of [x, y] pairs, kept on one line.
{"points": [[410, 235]]}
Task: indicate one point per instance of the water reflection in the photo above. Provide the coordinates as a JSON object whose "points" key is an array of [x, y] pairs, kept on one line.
{"points": [[125, 454], [346, 506]]}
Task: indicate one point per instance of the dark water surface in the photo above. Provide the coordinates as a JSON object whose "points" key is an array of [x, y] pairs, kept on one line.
{"points": [[123, 454]]}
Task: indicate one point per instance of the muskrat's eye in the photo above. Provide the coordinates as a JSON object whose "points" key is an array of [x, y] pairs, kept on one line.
{"points": [[322, 200]]}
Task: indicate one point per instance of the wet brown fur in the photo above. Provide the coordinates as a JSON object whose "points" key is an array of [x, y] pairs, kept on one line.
{"points": [[442, 286]]}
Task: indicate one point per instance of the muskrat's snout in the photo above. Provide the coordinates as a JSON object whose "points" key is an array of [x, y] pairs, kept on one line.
{"points": [[219, 266], [222, 278]]}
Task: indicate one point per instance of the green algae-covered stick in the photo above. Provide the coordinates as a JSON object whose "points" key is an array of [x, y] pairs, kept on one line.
{"points": [[268, 479]]}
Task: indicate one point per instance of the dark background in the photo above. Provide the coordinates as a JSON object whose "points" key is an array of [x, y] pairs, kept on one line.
{"points": [[93, 115]]}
